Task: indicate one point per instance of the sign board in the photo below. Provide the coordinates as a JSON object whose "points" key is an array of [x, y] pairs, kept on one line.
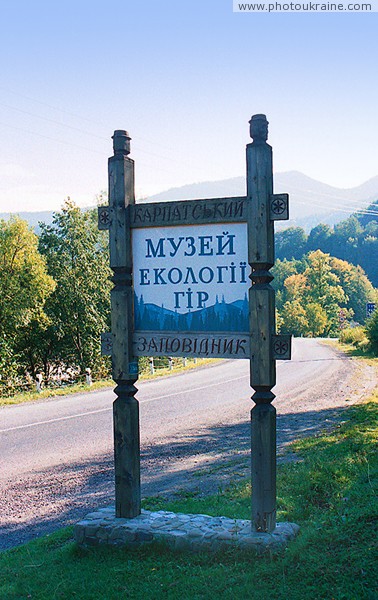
{"points": [[342, 318], [189, 281], [370, 308], [191, 278]]}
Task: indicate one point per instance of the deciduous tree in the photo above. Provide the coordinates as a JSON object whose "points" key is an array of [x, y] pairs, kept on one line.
{"points": [[77, 257], [25, 286]]}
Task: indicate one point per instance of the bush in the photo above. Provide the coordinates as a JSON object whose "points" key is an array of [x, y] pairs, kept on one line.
{"points": [[372, 332], [355, 336]]}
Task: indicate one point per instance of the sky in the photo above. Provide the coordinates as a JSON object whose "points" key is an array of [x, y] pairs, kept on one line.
{"points": [[183, 77]]}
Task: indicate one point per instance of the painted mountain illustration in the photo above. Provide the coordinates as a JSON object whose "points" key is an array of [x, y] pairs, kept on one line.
{"points": [[221, 316]]}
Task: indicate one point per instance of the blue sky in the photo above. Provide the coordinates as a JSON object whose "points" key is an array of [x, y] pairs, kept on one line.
{"points": [[183, 77]]}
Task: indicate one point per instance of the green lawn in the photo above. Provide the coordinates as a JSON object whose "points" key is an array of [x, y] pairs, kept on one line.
{"points": [[331, 492]]}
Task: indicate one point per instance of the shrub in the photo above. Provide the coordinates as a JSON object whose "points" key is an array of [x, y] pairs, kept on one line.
{"points": [[372, 332], [355, 336]]}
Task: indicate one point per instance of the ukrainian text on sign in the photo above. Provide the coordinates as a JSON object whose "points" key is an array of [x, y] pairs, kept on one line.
{"points": [[188, 211], [191, 278], [178, 344]]}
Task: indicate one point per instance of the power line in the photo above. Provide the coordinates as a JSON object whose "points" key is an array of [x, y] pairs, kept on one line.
{"points": [[58, 141], [336, 209], [73, 128], [26, 112], [76, 116], [49, 106], [332, 204], [51, 138]]}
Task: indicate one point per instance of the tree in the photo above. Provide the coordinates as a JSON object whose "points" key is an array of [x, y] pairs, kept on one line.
{"points": [[356, 285], [351, 228], [317, 320], [24, 289], [320, 238], [293, 318], [369, 215], [324, 288], [296, 286], [368, 258], [355, 239], [291, 243], [24, 282], [281, 271], [311, 292], [313, 297], [372, 332], [79, 309]]}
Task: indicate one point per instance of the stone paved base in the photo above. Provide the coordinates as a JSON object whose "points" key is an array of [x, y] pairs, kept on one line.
{"points": [[179, 531]]}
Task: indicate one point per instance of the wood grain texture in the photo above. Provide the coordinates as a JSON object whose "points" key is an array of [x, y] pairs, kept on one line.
{"points": [[126, 451], [262, 325], [259, 191], [121, 195], [261, 259], [263, 456], [124, 368]]}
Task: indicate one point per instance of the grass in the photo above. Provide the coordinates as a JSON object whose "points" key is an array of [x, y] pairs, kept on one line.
{"points": [[79, 388], [353, 351], [52, 392], [178, 368], [331, 492]]}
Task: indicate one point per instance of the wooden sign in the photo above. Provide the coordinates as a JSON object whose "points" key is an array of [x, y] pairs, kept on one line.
{"points": [[192, 278], [189, 280]]}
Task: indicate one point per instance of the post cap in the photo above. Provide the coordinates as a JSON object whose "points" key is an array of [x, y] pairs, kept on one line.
{"points": [[258, 129], [121, 142]]}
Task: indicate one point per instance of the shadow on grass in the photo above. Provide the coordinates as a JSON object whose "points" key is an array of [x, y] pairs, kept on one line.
{"points": [[198, 463]]}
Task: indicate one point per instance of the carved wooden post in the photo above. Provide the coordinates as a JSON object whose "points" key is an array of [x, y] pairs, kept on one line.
{"points": [[125, 369], [262, 325]]}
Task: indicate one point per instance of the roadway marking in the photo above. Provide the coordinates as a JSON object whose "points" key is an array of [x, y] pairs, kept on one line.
{"points": [[92, 412], [204, 387], [101, 410]]}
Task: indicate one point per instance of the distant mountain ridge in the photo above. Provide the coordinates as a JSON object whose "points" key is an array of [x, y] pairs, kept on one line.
{"points": [[311, 201], [33, 218]]}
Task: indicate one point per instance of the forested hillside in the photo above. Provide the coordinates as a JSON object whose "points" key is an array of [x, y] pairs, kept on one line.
{"points": [[354, 240]]}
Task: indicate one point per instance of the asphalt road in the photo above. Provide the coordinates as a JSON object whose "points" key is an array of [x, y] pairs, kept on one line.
{"points": [[56, 455]]}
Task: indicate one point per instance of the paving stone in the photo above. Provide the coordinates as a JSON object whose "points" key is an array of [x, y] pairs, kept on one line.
{"points": [[195, 533], [103, 533], [226, 535]]}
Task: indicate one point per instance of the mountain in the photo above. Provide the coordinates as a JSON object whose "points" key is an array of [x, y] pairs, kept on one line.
{"points": [[311, 202], [33, 218]]}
